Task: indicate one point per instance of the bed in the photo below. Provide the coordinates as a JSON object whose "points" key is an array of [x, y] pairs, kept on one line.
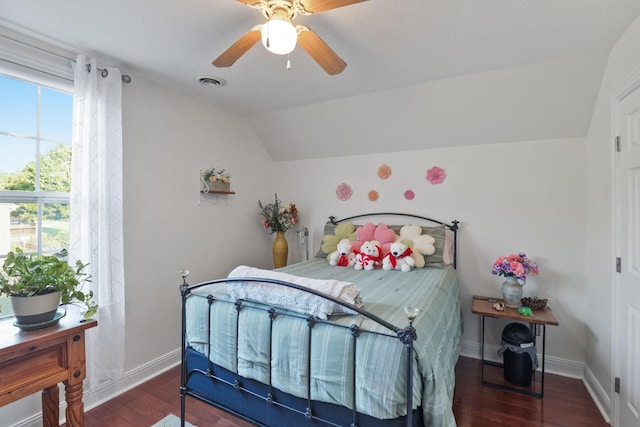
{"points": [[312, 356]]}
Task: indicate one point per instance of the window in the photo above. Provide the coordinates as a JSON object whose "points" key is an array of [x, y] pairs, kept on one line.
{"points": [[35, 168]]}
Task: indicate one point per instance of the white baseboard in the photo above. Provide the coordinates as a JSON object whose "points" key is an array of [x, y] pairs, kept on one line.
{"points": [[553, 365], [112, 389], [131, 379], [598, 394]]}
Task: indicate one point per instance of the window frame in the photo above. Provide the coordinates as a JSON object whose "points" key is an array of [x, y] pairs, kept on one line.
{"points": [[38, 197]]}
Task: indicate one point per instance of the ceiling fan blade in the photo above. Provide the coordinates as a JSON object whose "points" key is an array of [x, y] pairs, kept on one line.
{"points": [[315, 6], [249, 2], [238, 49], [320, 51]]}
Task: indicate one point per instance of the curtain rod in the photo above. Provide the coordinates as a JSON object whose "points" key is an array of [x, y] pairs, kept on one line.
{"points": [[103, 71]]}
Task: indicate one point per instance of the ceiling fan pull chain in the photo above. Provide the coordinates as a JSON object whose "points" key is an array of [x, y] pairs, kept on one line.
{"points": [[288, 64], [268, 37]]}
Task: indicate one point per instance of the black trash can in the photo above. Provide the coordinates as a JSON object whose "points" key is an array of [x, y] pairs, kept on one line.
{"points": [[519, 354]]}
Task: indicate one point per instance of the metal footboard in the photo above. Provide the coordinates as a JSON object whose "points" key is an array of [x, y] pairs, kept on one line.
{"points": [[406, 336]]}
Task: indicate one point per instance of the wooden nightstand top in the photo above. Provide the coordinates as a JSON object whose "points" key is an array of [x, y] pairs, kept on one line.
{"points": [[482, 306]]}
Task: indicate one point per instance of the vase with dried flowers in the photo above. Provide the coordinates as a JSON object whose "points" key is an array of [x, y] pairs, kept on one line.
{"points": [[278, 218]]}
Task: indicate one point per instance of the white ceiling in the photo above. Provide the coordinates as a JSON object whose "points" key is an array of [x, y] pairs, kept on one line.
{"points": [[386, 43]]}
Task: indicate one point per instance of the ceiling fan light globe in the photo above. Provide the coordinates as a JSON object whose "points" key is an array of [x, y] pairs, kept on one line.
{"points": [[279, 36]]}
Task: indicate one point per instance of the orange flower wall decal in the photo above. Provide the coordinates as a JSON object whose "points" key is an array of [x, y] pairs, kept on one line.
{"points": [[384, 172], [373, 195]]}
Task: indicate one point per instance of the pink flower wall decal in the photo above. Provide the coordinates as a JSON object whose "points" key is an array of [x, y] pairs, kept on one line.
{"points": [[409, 195], [435, 175], [344, 191]]}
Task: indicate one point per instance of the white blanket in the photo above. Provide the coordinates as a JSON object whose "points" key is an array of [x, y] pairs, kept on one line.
{"points": [[291, 298]]}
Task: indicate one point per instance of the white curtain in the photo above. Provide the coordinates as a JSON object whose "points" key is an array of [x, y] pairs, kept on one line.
{"points": [[96, 211]]}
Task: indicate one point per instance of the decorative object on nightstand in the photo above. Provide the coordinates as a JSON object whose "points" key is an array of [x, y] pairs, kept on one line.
{"points": [[278, 218], [215, 181], [514, 268], [534, 303]]}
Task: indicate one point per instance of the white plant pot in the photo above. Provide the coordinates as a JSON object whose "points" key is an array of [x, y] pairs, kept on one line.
{"points": [[36, 309]]}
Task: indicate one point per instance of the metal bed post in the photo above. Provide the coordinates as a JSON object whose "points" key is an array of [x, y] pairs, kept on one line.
{"points": [[355, 330], [407, 336], [184, 291], [272, 316], [309, 412], [454, 227]]}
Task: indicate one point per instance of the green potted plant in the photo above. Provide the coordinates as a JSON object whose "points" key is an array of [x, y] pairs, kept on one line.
{"points": [[36, 284]]}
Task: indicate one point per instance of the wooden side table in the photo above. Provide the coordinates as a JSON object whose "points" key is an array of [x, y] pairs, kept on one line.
{"points": [[483, 306], [38, 360]]}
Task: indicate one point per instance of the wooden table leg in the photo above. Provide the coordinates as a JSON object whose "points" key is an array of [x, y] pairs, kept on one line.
{"points": [[73, 386], [50, 407], [75, 406]]}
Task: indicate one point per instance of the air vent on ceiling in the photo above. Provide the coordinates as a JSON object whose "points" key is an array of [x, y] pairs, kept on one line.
{"points": [[211, 81]]}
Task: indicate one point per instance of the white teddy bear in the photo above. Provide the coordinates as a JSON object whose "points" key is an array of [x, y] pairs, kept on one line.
{"points": [[369, 256], [343, 256], [399, 258]]}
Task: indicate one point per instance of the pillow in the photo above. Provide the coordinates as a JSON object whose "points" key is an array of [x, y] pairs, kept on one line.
{"points": [[448, 247], [437, 259], [381, 233], [329, 229], [332, 235]]}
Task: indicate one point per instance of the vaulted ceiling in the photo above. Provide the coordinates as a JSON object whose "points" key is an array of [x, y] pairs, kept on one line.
{"points": [[408, 60]]}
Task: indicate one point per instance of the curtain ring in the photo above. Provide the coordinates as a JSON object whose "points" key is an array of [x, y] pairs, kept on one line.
{"points": [[88, 68], [104, 72]]}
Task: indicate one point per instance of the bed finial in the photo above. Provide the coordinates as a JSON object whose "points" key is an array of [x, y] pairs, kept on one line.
{"points": [[184, 274], [333, 220], [411, 312], [184, 286], [408, 335]]}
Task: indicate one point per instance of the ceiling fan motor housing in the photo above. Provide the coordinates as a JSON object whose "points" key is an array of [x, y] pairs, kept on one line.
{"points": [[281, 12], [279, 36]]}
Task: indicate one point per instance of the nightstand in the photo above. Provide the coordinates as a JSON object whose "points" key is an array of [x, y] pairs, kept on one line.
{"points": [[483, 306]]}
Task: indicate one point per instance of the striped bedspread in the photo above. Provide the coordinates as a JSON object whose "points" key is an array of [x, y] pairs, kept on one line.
{"points": [[380, 359]]}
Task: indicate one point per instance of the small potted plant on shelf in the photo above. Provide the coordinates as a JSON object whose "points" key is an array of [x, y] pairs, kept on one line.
{"points": [[36, 285], [215, 180]]}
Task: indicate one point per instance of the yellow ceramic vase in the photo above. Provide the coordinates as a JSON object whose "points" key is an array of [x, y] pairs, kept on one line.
{"points": [[280, 250]]}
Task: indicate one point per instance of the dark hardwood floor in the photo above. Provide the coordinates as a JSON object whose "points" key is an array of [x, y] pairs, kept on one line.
{"points": [[566, 403]]}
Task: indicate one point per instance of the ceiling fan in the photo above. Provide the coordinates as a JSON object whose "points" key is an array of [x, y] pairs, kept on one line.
{"points": [[279, 35]]}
